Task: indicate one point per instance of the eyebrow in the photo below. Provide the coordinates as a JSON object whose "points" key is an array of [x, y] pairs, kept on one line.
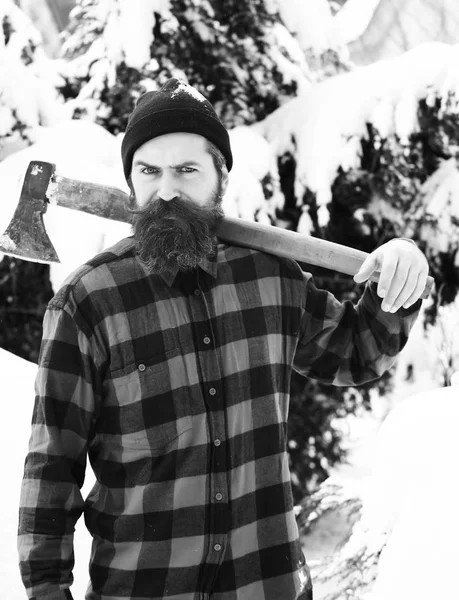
{"points": [[185, 163]]}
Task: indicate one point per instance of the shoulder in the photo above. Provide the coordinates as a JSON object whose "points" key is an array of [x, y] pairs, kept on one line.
{"points": [[262, 263], [103, 271]]}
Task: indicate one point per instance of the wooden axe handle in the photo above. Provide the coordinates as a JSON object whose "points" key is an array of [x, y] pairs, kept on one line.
{"points": [[299, 247]]}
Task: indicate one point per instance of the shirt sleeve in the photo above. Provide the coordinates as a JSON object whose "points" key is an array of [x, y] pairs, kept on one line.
{"points": [[66, 399], [345, 344]]}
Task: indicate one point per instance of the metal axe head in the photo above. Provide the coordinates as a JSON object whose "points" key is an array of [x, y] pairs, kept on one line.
{"points": [[26, 235]]}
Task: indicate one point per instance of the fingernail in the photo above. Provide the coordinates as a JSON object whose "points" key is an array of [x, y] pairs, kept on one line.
{"points": [[385, 307], [382, 293], [393, 309]]}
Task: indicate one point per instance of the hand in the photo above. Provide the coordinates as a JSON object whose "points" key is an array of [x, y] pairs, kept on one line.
{"points": [[403, 273]]}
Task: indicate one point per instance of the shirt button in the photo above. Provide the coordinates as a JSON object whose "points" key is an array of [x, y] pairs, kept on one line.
{"points": [[217, 442], [212, 391], [218, 496], [206, 340], [141, 367], [217, 547], [197, 292]]}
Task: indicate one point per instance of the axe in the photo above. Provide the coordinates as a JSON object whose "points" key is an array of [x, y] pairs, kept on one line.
{"points": [[26, 235]]}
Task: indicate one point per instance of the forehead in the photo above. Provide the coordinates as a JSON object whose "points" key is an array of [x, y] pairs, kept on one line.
{"points": [[174, 148]]}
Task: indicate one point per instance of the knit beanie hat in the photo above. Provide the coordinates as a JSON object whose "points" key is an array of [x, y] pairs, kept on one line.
{"points": [[176, 107]]}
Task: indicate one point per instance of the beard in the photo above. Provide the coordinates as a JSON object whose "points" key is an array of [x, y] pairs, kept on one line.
{"points": [[176, 233]]}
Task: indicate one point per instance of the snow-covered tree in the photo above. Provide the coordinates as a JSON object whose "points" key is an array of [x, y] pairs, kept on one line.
{"points": [[238, 53], [28, 80]]}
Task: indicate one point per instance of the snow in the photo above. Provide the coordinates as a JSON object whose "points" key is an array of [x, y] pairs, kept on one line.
{"points": [[19, 85], [323, 126], [183, 87], [295, 68], [22, 30], [126, 36], [253, 161], [28, 95], [440, 208], [136, 22], [310, 21], [403, 543], [353, 18], [413, 496], [317, 29]]}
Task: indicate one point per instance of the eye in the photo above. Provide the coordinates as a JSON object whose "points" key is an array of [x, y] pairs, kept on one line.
{"points": [[149, 170], [187, 170]]}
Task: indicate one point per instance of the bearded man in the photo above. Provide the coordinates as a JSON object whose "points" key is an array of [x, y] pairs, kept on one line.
{"points": [[167, 360]]}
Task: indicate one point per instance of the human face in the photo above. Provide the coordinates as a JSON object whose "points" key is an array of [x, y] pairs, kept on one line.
{"points": [[175, 165], [176, 217]]}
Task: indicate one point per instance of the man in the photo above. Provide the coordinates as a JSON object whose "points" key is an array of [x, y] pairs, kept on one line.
{"points": [[167, 360]]}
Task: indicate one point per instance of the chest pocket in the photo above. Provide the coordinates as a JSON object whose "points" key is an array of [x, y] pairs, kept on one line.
{"points": [[147, 404]]}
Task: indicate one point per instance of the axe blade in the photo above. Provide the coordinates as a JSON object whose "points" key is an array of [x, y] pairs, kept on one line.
{"points": [[26, 237]]}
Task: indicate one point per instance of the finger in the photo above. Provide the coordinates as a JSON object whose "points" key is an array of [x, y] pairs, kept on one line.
{"points": [[418, 290], [369, 266], [387, 284], [397, 287], [407, 290]]}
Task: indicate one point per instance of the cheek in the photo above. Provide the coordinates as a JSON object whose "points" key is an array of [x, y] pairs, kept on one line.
{"points": [[209, 188], [142, 191]]}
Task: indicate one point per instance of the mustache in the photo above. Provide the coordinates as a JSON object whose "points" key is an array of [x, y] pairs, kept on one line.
{"points": [[159, 209]]}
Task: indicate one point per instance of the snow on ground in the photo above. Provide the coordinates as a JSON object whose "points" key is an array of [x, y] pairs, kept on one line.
{"points": [[402, 467], [413, 496]]}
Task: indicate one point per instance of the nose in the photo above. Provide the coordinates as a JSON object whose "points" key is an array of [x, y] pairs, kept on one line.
{"points": [[167, 190]]}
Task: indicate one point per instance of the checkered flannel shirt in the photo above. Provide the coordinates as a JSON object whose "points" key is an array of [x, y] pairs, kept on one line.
{"points": [[178, 391]]}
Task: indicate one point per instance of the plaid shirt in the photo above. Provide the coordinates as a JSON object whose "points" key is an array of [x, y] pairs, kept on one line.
{"points": [[178, 391]]}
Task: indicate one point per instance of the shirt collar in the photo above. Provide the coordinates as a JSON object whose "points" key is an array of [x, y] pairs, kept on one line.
{"points": [[207, 264]]}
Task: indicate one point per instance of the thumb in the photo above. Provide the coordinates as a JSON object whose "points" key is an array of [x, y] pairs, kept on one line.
{"points": [[369, 265]]}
